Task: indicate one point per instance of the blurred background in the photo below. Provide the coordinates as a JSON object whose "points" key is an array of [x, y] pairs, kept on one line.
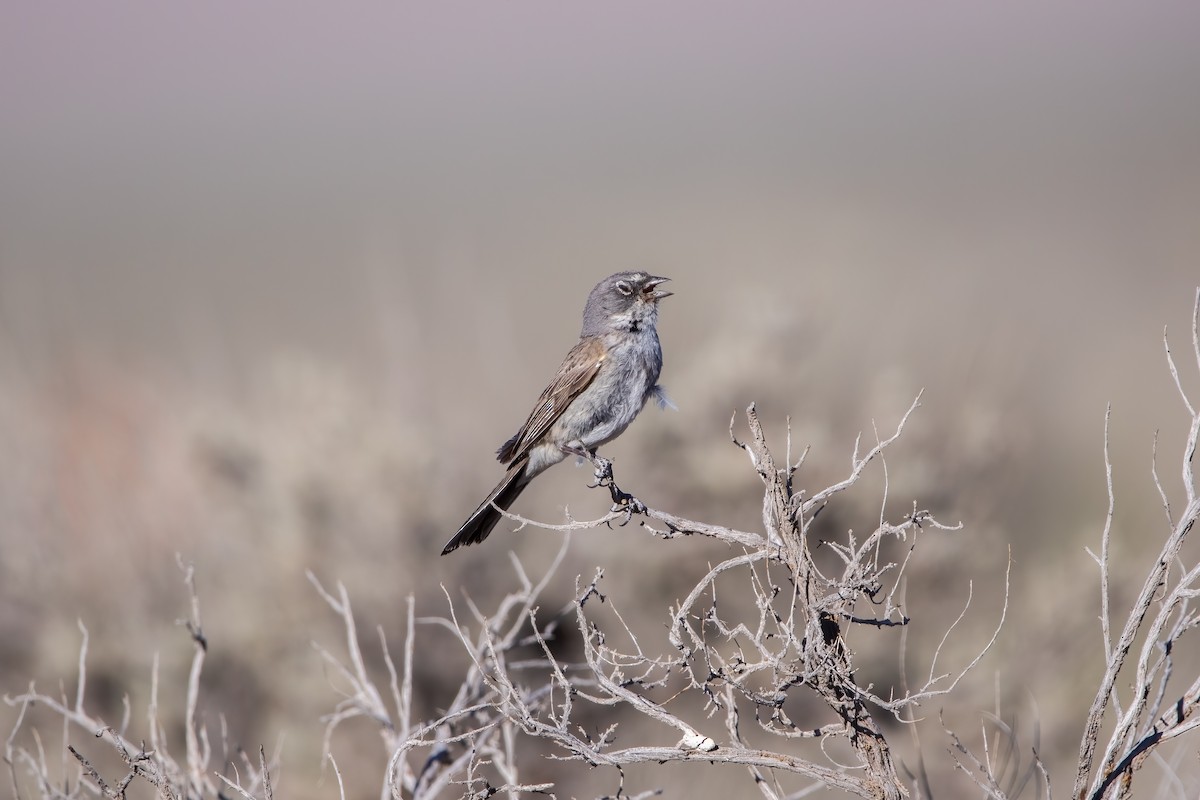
{"points": [[277, 279]]}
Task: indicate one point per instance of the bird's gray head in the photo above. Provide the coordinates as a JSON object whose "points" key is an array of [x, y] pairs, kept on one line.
{"points": [[625, 301]]}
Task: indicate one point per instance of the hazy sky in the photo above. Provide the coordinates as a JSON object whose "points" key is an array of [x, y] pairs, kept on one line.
{"points": [[166, 165]]}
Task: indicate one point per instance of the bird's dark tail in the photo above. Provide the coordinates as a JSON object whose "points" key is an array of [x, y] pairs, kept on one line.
{"points": [[480, 524]]}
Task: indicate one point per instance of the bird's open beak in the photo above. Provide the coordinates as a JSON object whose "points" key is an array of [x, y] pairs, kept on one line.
{"points": [[653, 285]]}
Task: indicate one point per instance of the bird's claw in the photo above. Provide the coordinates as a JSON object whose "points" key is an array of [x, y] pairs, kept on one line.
{"points": [[604, 473], [630, 505], [624, 501]]}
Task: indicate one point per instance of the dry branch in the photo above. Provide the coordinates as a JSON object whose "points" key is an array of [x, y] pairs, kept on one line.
{"points": [[716, 662], [154, 765], [1148, 720]]}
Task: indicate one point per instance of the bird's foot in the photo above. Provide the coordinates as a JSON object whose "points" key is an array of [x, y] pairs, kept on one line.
{"points": [[604, 473], [624, 501]]}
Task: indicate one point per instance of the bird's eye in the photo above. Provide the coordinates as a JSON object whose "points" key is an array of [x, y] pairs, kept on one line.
{"points": [[624, 288]]}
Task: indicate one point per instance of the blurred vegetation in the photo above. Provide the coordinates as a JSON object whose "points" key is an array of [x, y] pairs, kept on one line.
{"points": [[115, 470]]}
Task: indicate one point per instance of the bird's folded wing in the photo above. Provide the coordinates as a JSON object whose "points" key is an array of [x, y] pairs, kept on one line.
{"points": [[577, 372]]}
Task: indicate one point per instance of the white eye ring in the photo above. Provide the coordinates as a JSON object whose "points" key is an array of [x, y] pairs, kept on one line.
{"points": [[624, 288]]}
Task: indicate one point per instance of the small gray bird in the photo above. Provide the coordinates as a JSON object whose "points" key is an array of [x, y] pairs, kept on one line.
{"points": [[601, 386]]}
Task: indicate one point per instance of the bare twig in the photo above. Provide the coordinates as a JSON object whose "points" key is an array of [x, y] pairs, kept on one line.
{"points": [[793, 642], [1143, 725]]}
